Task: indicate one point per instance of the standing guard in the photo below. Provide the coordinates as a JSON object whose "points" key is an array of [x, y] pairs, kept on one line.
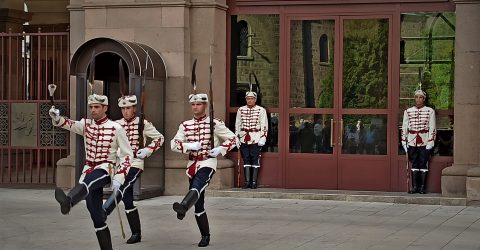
{"points": [[418, 138], [131, 123], [105, 142], [193, 138], [251, 127]]}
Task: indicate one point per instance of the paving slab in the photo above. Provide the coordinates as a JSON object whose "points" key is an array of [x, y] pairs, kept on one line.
{"points": [[30, 219], [341, 195]]}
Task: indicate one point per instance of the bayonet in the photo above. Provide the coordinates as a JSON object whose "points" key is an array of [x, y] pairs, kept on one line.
{"points": [[211, 113]]}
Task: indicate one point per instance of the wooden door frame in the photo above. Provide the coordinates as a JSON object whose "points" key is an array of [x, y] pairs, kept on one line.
{"points": [[329, 8]]}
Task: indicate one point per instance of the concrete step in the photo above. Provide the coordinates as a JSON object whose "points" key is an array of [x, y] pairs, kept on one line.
{"points": [[340, 195]]}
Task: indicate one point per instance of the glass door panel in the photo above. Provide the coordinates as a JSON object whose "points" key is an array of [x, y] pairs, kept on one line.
{"points": [[363, 161], [365, 64], [311, 156], [364, 134], [311, 133], [312, 45]]}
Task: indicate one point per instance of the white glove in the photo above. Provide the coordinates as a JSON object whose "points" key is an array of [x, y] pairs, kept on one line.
{"points": [[116, 185], [194, 146], [429, 147], [215, 152], [261, 142], [405, 147], [54, 113], [144, 153], [237, 141]]}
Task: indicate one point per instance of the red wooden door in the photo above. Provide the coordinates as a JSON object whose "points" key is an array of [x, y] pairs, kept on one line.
{"points": [[338, 74]]}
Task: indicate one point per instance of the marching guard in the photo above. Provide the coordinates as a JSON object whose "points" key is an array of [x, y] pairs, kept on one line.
{"points": [[194, 138], [131, 124], [105, 141], [251, 127], [418, 138]]}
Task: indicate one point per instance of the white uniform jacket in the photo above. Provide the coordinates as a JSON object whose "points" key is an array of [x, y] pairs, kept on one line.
{"points": [[198, 130], [105, 141], [149, 131], [251, 125], [418, 128]]}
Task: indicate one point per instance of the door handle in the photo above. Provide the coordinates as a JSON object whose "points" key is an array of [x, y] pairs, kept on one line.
{"points": [[340, 143], [331, 132]]}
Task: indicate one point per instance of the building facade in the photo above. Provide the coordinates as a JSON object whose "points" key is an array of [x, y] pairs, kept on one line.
{"points": [[334, 76]]}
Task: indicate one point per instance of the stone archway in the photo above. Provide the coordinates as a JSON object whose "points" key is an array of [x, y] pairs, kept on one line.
{"points": [[139, 66]]}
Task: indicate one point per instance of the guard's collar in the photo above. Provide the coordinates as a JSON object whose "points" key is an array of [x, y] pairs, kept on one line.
{"points": [[101, 120], [130, 119], [200, 118]]}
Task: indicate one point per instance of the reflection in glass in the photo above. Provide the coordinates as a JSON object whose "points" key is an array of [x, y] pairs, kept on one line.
{"points": [[365, 63], [427, 58], [312, 63], [429, 45], [272, 137], [310, 133], [254, 49], [364, 134], [444, 141]]}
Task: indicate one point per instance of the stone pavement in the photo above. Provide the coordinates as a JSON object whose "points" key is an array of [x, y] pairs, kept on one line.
{"points": [[30, 219]]}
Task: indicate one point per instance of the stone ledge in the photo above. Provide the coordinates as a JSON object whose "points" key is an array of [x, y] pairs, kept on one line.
{"points": [[337, 195], [456, 170], [473, 172]]}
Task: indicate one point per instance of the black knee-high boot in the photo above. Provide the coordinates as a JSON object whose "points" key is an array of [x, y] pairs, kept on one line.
{"points": [[134, 222], [414, 182], [254, 177], [104, 238], [247, 173], [78, 193], [422, 182], [187, 202], [202, 222]]}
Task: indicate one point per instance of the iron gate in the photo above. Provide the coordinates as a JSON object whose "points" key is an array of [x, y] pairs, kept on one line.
{"points": [[29, 145]]}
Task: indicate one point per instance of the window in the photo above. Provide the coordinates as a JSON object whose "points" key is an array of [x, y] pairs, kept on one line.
{"points": [[311, 78], [323, 44], [244, 37], [427, 62], [255, 59]]}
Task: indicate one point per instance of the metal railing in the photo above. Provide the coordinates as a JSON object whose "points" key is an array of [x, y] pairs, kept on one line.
{"points": [[29, 145]]}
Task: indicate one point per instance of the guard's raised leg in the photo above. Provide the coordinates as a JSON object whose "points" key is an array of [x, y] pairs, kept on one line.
{"points": [[187, 202], [78, 193]]}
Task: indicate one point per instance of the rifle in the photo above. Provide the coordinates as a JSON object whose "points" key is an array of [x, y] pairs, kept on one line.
{"points": [[118, 212], [238, 167], [212, 125], [141, 124], [51, 90], [408, 174], [92, 72], [121, 78], [194, 77]]}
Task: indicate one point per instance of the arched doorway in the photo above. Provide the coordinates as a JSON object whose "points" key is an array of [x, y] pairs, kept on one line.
{"points": [[142, 65]]}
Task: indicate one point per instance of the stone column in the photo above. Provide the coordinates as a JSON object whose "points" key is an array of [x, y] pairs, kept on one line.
{"points": [[463, 177], [208, 28]]}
